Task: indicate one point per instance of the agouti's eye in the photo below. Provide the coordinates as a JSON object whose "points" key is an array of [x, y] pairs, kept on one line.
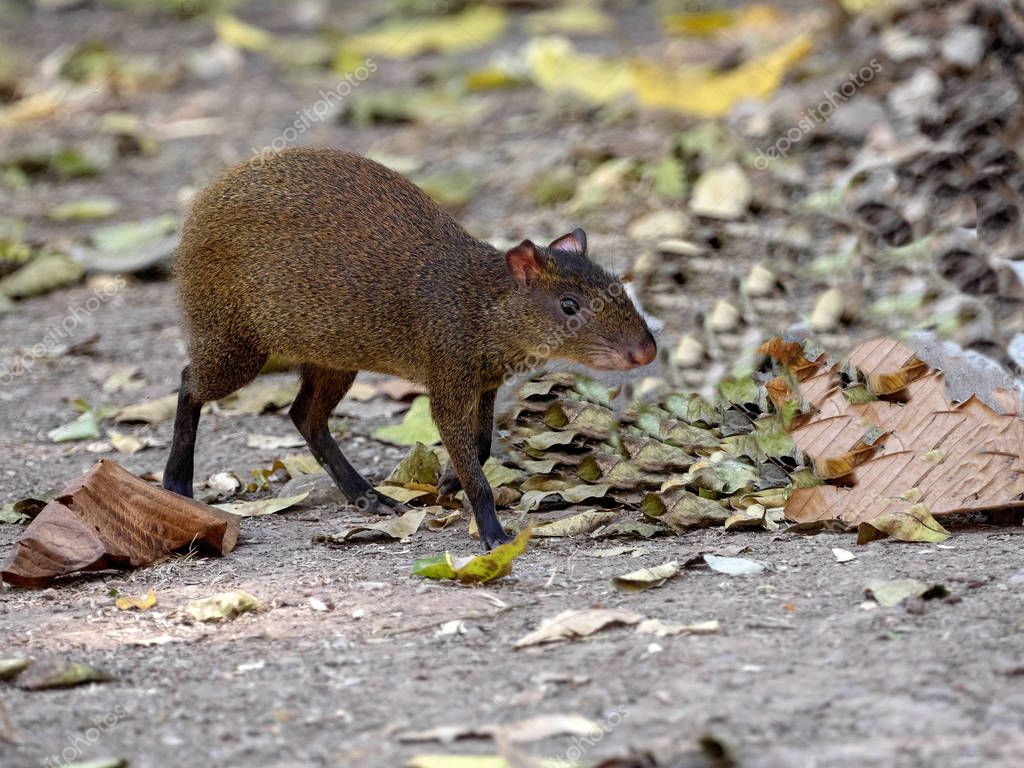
{"points": [[570, 306]]}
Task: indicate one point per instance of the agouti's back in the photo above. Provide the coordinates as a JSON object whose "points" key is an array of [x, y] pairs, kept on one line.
{"points": [[327, 257]]}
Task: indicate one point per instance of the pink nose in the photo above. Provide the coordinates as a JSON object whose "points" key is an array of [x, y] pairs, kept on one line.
{"points": [[643, 353]]}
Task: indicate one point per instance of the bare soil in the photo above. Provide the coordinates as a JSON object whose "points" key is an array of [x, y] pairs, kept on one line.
{"points": [[805, 671]]}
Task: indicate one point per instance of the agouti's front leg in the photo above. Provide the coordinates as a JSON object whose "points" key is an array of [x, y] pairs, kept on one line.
{"points": [[455, 414], [449, 482]]}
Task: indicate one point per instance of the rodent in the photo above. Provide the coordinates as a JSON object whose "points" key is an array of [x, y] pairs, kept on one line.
{"points": [[338, 264]]}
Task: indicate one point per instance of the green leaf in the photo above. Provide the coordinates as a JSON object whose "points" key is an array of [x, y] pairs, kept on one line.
{"points": [[416, 427], [261, 506], [645, 578], [477, 569], [420, 465], [85, 209], [890, 592], [42, 275], [913, 524], [85, 427]]}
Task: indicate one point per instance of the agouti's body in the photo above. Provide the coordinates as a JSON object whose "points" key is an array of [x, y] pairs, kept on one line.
{"points": [[339, 265]]}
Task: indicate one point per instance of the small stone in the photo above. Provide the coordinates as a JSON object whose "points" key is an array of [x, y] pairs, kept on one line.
{"points": [[722, 193], [680, 248], [656, 225], [1015, 349], [724, 317], [899, 46], [689, 352], [760, 281], [827, 312], [964, 47], [917, 97]]}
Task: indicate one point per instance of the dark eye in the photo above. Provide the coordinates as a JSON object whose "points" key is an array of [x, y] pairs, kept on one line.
{"points": [[570, 306]]}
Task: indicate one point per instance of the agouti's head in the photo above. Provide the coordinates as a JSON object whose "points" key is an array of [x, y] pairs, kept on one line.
{"points": [[576, 310]]}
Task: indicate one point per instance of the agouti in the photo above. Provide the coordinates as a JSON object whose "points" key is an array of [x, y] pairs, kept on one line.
{"points": [[338, 264]]}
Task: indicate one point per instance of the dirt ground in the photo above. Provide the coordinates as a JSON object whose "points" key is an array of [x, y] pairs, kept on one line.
{"points": [[805, 672]]}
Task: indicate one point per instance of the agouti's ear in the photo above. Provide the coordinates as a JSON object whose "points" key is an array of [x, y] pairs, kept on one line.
{"points": [[525, 264], [574, 242]]}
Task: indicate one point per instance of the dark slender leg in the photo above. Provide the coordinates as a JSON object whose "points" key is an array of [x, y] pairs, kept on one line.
{"points": [[449, 482], [457, 421], [178, 472], [321, 390]]}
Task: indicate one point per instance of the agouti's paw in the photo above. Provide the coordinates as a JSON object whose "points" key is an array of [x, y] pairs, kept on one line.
{"points": [[449, 484], [494, 538]]}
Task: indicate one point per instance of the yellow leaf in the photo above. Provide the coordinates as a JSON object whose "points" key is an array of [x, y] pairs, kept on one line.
{"points": [[699, 91], [472, 28], [708, 23], [140, 603], [704, 93], [235, 32]]}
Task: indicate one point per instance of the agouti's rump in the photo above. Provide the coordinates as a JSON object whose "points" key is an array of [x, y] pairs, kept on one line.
{"points": [[341, 265]]}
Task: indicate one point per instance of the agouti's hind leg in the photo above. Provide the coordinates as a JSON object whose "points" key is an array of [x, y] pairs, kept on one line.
{"points": [[321, 390], [178, 472], [215, 371]]}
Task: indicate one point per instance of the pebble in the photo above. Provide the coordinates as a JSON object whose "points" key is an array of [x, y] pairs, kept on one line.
{"points": [[964, 47], [827, 312], [724, 317], [656, 225]]}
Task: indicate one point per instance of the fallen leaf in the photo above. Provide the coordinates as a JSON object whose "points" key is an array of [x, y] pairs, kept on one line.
{"points": [[417, 426], [274, 442], [471, 28], [646, 578], [85, 427], [400, 528], [531, 729], [260, 506], [41, 275], [155, 411], [59, 673], [890, 592], [576, 525], [574, 624], [240, 34], [143, 603], [11, 668], [733, 566], [912, 524], [843, 555], [476, 569], [222, 606], [85, 209], [262, 396], [657, 628], [420, 465], [110, 518]]}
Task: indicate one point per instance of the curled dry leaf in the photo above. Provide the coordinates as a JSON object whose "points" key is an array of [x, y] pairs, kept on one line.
{"points": [[143, 603], [646, 578], [578, 524], [109, 518], [400, 528], [261, 506], [574, 624], [60, 673], [659, 629], [222, 606]]}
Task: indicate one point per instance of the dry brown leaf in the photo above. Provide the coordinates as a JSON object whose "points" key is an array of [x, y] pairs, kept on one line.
{"points": [[574, 624], [961, 458], [109, 518]]}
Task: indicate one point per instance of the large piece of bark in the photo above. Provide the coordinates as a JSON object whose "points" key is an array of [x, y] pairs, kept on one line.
{"points": [[109, 518], [909, 446]]}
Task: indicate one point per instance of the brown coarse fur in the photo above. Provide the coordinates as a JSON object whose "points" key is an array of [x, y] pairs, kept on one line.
{"points": [[339, 264]]}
